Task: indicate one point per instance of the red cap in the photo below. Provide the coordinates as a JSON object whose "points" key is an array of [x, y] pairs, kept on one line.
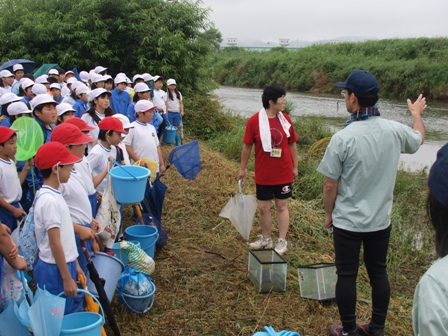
{"points": [[111, 124], [53, 153], [6, 133], [78, 122], [68, 134]]}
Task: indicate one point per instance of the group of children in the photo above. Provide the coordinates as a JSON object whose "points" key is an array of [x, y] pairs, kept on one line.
{"points": [[84, 124]]}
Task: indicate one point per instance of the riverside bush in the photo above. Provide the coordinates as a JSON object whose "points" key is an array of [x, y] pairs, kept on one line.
{"points": [[404, 67]]}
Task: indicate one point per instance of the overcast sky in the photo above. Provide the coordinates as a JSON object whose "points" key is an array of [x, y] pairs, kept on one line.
{"points": [[311, 20]]}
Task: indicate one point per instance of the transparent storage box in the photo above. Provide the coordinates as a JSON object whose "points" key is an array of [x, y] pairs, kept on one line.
{"points": [[317, 281], [267, 271]]}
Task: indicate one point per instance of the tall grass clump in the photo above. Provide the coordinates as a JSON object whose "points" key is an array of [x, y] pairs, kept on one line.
{"points": [[403, 67]]}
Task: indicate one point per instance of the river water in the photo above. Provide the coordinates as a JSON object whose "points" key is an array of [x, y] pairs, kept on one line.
{"points": [[248, 101]]}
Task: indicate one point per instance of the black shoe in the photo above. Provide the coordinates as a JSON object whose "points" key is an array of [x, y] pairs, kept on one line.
{"points": [[337, 330], [367, 330]]}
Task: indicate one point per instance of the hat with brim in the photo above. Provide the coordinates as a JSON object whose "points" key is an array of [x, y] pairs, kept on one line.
{"points": [[42, 99], [124, 120], [111, 124], [9, 98], [68, 134], [170, 81], [98, 92], [39, 89], [438, 176], [141, 87], [5, 74], [64, 108], [55, 86], [6, 133], [54, 153], [143, 106], [81, 124], [17, 108], [359, 81], [157, 77]]}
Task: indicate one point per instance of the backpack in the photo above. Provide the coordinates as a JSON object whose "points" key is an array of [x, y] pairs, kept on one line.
{"points": [[28, 246]]}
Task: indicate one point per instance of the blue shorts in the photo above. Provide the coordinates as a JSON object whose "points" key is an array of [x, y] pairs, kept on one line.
{"points": [[48, 276], [81, 257], [7, 218], [94, 203], [174, 118]]}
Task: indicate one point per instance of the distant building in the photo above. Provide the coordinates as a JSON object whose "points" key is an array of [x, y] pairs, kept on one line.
{"points": [[283, 42], [335, 42], [231, 41]]}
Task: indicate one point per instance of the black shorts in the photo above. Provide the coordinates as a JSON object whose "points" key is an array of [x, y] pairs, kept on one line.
{"points": [[268, 192]]}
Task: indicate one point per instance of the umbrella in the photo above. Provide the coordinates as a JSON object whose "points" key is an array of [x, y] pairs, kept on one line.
{"points": [[240, 210], [95, 277], [154, 198], [28, 65]]}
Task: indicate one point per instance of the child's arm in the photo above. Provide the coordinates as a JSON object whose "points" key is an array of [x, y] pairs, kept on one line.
{"points": [[17, 212], [83, 232], [8, 250], [100, 177], [25, 170], [181, 105], [132, 154], [162, 168], [70, 287]]}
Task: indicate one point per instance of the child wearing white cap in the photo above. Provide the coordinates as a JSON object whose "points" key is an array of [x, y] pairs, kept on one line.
{"points": [[141, 141], [65, 111], [26, 90], [174, 106], [17, 110], [18, 72], [6, 80], [5, 101], [120, 98], [55, 90], [81, 104]]}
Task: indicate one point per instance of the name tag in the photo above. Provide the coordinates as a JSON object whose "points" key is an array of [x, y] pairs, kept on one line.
{"points": [[276, 153]]}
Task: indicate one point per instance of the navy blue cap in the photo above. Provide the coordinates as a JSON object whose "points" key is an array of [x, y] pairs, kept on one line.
{"points": [[438, 176], [359, 81]]}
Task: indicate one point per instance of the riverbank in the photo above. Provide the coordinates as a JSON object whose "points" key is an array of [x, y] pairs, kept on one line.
{"points": [[404, 67]]}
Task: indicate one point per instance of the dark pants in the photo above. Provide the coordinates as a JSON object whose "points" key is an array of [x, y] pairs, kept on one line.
{"points": [[347, 246]]}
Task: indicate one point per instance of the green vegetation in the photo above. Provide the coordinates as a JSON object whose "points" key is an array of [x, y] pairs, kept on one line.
{"points": [[168, 38], [404, 67]]}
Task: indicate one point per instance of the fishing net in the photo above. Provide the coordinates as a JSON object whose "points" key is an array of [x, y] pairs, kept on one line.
{"points": [[186, 159]]}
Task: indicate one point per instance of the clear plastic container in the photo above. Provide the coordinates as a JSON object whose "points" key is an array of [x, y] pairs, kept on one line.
{"points": [[267, 271]]}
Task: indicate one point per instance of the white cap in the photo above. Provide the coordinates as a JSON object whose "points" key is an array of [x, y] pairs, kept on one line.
{"points": [[124, 120], [64, 107], [141, 87], [98, 92], [143, 106], [17, 67], [84, 76], [156, 78], [42, 79], [147, 76], [137, 76], [95, 78], [26, 83], [5, 73], [69, 72], [53, 72], [55, 86], [8, 98], [42, 99], [99, 69], [39, 89], [18, 108], [120, 79], [75, 85], [80, 89], [107, 77], [170, 82], [71, 80], [128, 80]]}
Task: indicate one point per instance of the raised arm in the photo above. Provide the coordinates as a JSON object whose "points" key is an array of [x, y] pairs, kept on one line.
{"points": [[417, 109]]}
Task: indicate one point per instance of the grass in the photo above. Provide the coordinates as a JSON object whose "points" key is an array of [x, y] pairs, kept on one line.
{"points": [[201, 275]]}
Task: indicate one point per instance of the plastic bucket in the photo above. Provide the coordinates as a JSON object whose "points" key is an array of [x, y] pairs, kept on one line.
{"points": [[137, 304], [127, 189], [146, 235], [109, 268], [170, 134], [120, 253], [84, 323]]}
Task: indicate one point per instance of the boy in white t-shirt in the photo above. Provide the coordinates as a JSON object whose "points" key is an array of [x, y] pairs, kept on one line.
{"points": [[57, 268], [10, 182], [142, 141], [75, 192]]}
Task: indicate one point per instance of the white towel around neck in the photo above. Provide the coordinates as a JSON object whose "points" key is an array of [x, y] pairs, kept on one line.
{"points": [[265, 130]]}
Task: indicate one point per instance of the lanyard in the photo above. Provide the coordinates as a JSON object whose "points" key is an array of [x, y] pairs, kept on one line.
{"points": [[274, 138]]}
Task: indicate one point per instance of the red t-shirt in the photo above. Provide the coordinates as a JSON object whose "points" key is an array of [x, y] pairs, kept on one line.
{"points": [[270, 170]]}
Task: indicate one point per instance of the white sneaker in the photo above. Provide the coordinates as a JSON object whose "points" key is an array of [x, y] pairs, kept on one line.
{"points": [[261, 243], [281, 246]]}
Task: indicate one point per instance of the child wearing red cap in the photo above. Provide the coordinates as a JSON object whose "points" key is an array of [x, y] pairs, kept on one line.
{"points": [[75, 191], [57, 268], [10, 183]]}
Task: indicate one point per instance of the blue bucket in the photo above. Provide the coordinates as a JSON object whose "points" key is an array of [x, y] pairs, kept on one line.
{"points": [[120, 253], [169, 135], [84, 323], [109, 268], [146, 235], [127, 189], [137, 304]]}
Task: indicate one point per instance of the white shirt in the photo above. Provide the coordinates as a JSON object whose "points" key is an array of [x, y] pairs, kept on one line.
{"points": [[173, 105], [77, 198], [86, 172], [51, 211], [159, 99], [93, 133], [98, 158], [10, 188], [143, 141]]}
